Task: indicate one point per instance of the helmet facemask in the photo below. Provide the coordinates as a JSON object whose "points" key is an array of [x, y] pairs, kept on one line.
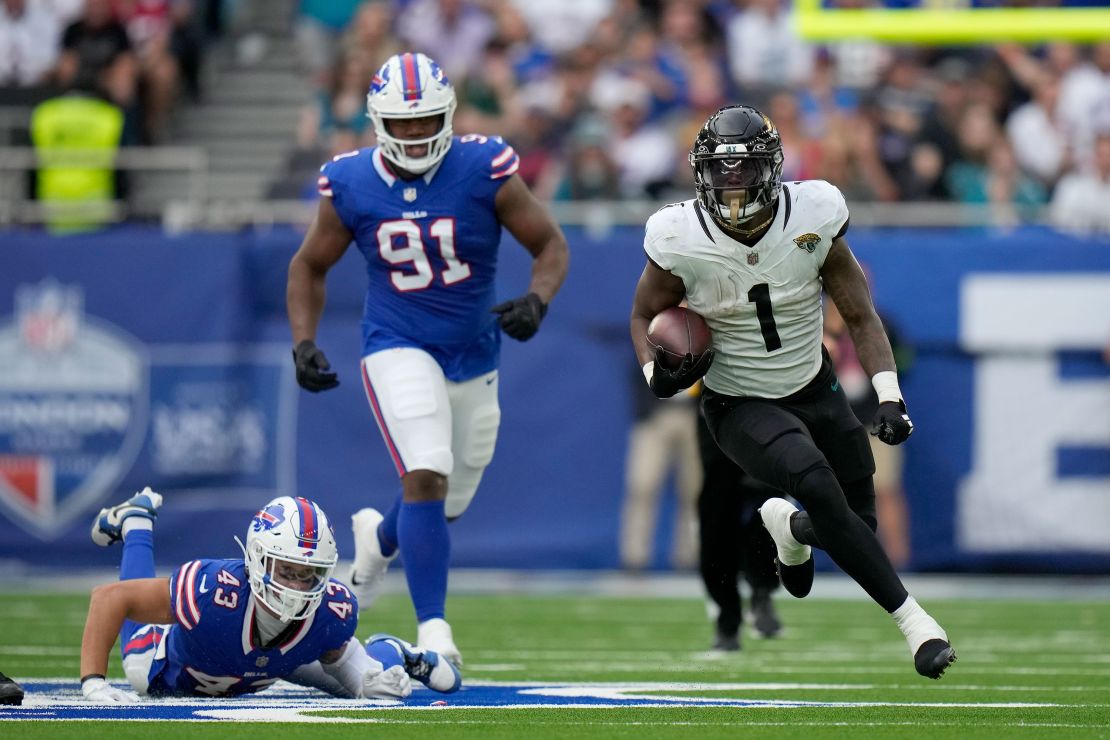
{"points": [[289, 562], [734, 185]]}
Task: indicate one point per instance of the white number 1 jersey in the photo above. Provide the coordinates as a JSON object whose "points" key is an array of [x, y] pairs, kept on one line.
{"points": [[762, 303]]}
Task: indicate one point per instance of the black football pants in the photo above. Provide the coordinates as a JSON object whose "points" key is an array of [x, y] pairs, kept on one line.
{"points": [[811, 445]]}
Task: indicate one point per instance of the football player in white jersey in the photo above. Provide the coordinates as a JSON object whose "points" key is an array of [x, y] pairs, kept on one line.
{"points": [[752, 256]]}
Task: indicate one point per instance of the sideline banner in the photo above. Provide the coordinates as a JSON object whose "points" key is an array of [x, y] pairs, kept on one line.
{"points": [[130, 358]]}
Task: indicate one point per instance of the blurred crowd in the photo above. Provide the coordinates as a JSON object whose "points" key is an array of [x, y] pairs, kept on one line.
{"points": [[139, 55], [602, 98]]}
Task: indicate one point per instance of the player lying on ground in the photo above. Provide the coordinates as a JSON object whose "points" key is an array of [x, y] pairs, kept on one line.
{"points": [[228, 627]]}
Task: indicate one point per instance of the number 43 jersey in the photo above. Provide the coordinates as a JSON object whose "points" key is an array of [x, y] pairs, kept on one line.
{"points": [[431, 246], [762, 303], [213, 648]]}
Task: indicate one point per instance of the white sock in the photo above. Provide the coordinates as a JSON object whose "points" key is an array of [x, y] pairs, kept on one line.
{"points": [[131, 523], [916, 624]]}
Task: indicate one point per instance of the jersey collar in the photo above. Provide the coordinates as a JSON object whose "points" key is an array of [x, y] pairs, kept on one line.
{"points": [[387, 176], [251, 638]]}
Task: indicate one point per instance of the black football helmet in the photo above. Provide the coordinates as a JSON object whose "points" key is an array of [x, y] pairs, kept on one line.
{"points": [[737, 162]]}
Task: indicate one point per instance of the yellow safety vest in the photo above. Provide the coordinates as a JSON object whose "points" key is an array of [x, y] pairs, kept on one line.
{"points": [[76, 139]]}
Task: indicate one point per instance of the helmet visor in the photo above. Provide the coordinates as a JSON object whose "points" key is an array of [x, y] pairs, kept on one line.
{"points": [[739, 173]]}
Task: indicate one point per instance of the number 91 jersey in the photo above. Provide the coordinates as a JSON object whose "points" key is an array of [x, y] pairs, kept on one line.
{"points": [[431, 246], [213, 647], [762, 303]]}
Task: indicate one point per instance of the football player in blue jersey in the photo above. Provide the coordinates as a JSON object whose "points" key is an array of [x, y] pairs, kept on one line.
{"points": [[229, 627], [426, 210]]}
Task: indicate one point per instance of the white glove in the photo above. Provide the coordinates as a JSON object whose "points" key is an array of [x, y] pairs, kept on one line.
{"points": [[392, 683], [100, 691]]}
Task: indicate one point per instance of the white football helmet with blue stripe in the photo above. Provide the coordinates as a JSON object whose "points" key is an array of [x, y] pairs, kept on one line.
{"points": [[411, 85], [284, 537]]}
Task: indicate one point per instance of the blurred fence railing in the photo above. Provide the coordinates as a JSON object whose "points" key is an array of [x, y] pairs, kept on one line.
{"points": [[180, 200]]}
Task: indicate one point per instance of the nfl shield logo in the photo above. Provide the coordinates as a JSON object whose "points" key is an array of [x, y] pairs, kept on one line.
{"points": [[409, 195], [753, 258], [261, 661]]}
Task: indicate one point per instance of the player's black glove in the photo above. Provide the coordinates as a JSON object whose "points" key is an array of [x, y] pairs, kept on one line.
{"points": [[312, 368], [665, 383], [892, 424], [520, 318]]}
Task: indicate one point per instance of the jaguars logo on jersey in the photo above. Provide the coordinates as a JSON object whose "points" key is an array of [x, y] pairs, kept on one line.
{"points": [[808, 242]]}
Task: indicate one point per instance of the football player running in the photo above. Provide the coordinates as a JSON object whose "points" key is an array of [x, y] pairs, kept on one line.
{"points": [[426, 209], [230, 627], [752, 255]]}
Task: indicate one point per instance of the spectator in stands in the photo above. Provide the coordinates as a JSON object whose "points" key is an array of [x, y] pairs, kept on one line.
{"points": [[1037, 134], [318, 30], [97, 54], [456, 31], [151, 27], [1085, 99], [900, 104], [941, 125], [1081, 203], [645, 152], [588, 172], [337, 120], [765, 52], [1012, 195], [29, 35], [370, 35]]}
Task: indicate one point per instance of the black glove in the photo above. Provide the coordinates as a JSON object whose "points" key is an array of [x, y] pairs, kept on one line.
{"points": [[312, 368], [520, 318], [665, 383], [892, 424]]}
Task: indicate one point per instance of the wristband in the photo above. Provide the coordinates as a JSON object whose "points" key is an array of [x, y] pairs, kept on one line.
{"points": [[649, 370], [886, 386]]}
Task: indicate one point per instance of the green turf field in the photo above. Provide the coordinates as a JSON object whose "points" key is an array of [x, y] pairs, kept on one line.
{"points": [[1027, 669]]}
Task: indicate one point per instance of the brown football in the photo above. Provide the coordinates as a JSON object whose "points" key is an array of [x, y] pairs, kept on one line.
{"points": [[679, 331]]}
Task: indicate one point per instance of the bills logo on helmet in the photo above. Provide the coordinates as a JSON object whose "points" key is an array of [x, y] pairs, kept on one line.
{"points": [[380, 80], [268, 518], [74, 406], [437, 73]]}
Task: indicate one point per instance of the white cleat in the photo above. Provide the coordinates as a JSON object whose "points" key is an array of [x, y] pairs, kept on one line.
{"points": [[108, 525], [435, 635], [370, 565]]}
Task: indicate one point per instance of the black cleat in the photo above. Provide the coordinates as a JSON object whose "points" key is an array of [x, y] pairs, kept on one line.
{"points": [[796, 579], [764, 618], [933, 658], [11, 693], [726, 642]]}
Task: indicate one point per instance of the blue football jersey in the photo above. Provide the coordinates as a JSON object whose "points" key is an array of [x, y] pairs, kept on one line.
{"points": [[431, 247], [213, 648]]}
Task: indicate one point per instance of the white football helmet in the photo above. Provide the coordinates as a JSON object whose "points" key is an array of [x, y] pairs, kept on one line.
{"points": [[290, 531], [411, 85]]}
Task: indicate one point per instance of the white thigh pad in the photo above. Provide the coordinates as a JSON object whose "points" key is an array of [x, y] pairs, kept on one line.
{"points": [[408, 394], [477, 417]]}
